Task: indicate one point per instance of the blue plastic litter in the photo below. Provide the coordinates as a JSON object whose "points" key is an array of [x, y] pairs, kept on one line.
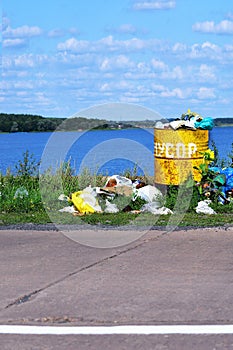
{"points": [[206, 124], [228, 172]]}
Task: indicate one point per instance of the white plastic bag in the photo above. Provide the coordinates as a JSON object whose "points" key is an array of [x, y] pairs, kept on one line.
{"points": [[203, 208], [154, 209], [21, 193], [149, 194], [69, 209], [117, 180], [111, 207]]}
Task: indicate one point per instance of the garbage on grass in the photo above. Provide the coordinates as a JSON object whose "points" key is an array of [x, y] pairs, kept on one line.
{"points": [[153, 208], [21, 193], [149, 194], [117, 180], [204, 208], [70, 209], [85, 201], [118, 194], [110, 207], [63, 198], [223, 180], [217, 183]]}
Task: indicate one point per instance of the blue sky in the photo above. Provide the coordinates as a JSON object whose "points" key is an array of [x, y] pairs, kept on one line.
{"points": [[63, 56]]}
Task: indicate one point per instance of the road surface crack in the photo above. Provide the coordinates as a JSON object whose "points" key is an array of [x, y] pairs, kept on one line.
{"points": [[27, 297]]}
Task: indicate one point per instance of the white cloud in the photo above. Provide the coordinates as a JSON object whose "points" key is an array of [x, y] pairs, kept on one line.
{"points": [[157, 88], [206, 72], [208, 45], [228, 48], [112, 63], [21, 93], [22, 32], [174, 73], [205, 50], [122, 85], [158, 65], [73, 44], [205, 93], [25, 61], [24, 84], [154, 5], [5, 22], [143, 67], [126, 28], [230, 15], [177, 92], [13, 73], [14, 42], [55, 33], [223, 27], [179, 47], [110, 44]]}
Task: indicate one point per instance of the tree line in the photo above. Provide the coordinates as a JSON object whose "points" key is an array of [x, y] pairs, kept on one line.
{"points": [[223, 121], [27, 123]]}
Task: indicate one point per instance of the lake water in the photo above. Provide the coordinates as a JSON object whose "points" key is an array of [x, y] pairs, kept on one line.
{"points": [[109, 152]]}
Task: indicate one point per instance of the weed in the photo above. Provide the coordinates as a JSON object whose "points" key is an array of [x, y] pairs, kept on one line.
{"points": [[28, 166]]}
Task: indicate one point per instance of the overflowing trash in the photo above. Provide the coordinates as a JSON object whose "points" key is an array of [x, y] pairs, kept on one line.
{"points": [[103, 199], [189, 120], [122, 194]]}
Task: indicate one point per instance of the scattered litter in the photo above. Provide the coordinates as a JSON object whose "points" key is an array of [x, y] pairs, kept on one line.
{"points": [[204, 208], [223, 180], [70, 209], [21, 193], [117, 180], [138, 184], [63, 198], [85, 201], [110, 207], [154, 209], [149, 194], [120, 189]]}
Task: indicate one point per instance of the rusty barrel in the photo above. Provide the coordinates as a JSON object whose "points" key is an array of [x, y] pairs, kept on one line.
{"points": [[176, 152]]}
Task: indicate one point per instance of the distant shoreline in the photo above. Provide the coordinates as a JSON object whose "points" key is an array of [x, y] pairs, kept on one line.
{"points": [[14, 123], [96, 129]]}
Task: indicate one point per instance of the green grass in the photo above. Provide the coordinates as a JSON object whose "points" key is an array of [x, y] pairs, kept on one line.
{"points": [[120, 219]]}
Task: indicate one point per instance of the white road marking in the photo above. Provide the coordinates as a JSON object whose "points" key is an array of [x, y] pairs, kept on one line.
{"points": [[110, 330]]}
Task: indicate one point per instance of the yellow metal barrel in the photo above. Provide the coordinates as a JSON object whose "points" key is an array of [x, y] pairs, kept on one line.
{"points": [[176, 152]]}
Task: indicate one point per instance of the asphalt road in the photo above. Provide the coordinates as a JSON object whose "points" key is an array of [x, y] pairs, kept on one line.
{"points": [[176, 278]]}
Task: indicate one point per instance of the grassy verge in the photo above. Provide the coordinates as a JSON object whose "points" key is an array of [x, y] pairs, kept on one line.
{"points": [[26, 198], [120, 219]]}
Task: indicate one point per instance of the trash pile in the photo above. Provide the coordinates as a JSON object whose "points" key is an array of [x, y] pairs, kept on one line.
{"points": [[103, 199], [216, 183], [120, 193], [189, 120], [220, 182]]}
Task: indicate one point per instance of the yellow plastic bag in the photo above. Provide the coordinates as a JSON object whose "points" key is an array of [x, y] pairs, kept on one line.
{"points": [[85, 202]]}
